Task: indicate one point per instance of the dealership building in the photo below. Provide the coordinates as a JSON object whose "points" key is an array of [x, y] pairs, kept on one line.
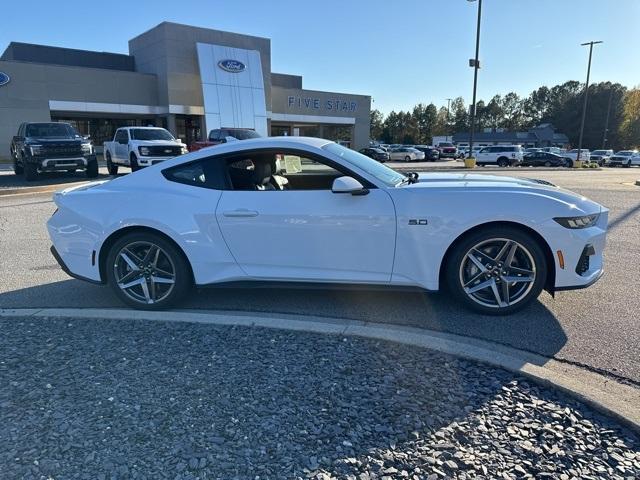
{"points": [[187, 79]]}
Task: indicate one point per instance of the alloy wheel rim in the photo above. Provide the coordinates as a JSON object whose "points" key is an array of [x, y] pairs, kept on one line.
{"points": [[144, 272], [497, 273]]}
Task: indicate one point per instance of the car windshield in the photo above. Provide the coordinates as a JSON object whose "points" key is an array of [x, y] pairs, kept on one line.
{"points": [[386, 175], [45, 130], [599, 152], [243, 134], [150, 134]]}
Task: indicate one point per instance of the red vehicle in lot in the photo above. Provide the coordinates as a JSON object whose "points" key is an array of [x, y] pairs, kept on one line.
{"points": [[447, 150], [223, 135]]}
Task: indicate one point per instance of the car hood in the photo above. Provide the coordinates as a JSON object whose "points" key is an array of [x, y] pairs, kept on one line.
{"points": [[52, 140], [149, 143], [480, 182]]}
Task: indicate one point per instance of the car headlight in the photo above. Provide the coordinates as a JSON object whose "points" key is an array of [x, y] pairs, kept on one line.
{"points": [[183, 150], [35, 149], [584, 221], [144, 150], [87, 148]]}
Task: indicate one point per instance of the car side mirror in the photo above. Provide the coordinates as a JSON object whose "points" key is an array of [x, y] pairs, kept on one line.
{"points": [[348, 185]]}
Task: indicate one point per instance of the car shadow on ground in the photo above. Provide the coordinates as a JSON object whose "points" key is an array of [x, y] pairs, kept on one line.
{"points": [[9, 180], [241, 402], [535, 329]]}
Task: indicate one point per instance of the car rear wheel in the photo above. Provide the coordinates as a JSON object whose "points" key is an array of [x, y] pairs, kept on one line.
{"points": [[568, 163], [547, 163], [111, 168], [497, 270], [503, 162], [147, 271], [407, 158]]}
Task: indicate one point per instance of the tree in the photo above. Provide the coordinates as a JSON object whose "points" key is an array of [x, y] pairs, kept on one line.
{"points": [[536, 106], [442, 123], [493, 112], [460, 117], [376, 120], [629, 129], [511, 112]]}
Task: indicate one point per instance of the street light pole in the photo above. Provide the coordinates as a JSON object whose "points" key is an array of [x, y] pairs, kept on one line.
{"points": [[448, 115], [586, 94], [606, 123], [476, 65]]}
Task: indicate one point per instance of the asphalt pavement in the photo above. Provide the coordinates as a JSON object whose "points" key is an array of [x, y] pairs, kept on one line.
{"points": [[597, 327]]}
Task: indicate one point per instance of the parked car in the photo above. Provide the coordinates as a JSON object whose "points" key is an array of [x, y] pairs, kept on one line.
{"points": [[223, 135], [501, 155], [407, 154], [601, 157], [543, 159], [447, 150], [556, 150], [200, 220], [431, 154], [51, 147], [375, 153], [532, 149], [572, 156], [137, 147], [624, 158]]}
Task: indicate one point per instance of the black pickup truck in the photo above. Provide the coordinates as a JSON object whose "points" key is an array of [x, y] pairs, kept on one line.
{"points": [[51, 147]]}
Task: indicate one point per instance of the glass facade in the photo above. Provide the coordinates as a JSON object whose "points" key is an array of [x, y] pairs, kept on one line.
{"points": [[342, 134], [102, 129]]}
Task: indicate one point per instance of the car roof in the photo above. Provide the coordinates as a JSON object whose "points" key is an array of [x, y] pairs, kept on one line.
{"points": [[303, 143], [146, 128]]}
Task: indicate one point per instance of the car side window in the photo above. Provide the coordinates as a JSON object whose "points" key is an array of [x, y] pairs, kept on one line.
{"points": [[190, 173]]}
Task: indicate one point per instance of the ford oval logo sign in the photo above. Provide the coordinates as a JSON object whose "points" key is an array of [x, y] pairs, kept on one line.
{"points": [[232, 66], [4, 78]]}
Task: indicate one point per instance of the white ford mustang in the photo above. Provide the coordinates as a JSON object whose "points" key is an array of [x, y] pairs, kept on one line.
{"points": [[309, 210]]}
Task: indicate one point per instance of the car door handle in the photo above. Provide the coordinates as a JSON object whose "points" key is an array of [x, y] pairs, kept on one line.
{"points": [[241, 212]]}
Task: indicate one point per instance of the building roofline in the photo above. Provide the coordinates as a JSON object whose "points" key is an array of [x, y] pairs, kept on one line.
{"points": [[166, 22], [56, 47]]}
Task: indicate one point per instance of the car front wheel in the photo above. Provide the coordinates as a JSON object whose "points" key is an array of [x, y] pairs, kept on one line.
{"points": [[497, 270], [148, 272]]}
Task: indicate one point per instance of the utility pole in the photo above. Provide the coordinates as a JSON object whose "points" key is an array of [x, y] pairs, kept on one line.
{"points": [[586, 95], [448, 116], [606, 123], [475, 66]]}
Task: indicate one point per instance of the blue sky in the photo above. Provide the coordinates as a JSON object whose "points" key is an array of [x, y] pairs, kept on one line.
{"points": [[400, 52]]}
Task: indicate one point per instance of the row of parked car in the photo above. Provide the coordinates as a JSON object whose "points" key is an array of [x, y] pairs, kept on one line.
{"points": [[503, 155]]}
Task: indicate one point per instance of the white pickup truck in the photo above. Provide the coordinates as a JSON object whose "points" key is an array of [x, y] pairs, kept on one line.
{"points": [[138, 147], [572, 155]]}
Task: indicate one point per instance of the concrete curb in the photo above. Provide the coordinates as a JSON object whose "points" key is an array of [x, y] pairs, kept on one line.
{"points": [[601, 393]]}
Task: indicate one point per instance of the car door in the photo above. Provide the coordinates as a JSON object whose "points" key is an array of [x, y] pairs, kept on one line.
{"points": [[483, 155], [122, 146], [309, 233]]}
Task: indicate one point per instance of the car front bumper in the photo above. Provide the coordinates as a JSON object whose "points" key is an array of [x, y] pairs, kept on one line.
{"points": [[573, 246], [61, 164], [148, 161]]}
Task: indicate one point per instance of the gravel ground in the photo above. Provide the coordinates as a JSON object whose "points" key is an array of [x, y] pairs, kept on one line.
{"points": [[110, 399]]}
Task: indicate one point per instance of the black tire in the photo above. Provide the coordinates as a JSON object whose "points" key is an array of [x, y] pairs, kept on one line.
{"points": [[17, 168], [547, 163], [407, 158], [183, 279], [30, 172], [568, 163], [92, 169], [111, 167], [454, 268], [133, 163], [503, 162]]}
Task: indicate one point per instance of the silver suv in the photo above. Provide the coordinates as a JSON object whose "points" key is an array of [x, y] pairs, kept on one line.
{"points": [[501, 155]]}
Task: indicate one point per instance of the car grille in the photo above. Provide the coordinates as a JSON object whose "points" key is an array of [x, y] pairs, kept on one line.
{"points": [[164, 151], [61, 150]]}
